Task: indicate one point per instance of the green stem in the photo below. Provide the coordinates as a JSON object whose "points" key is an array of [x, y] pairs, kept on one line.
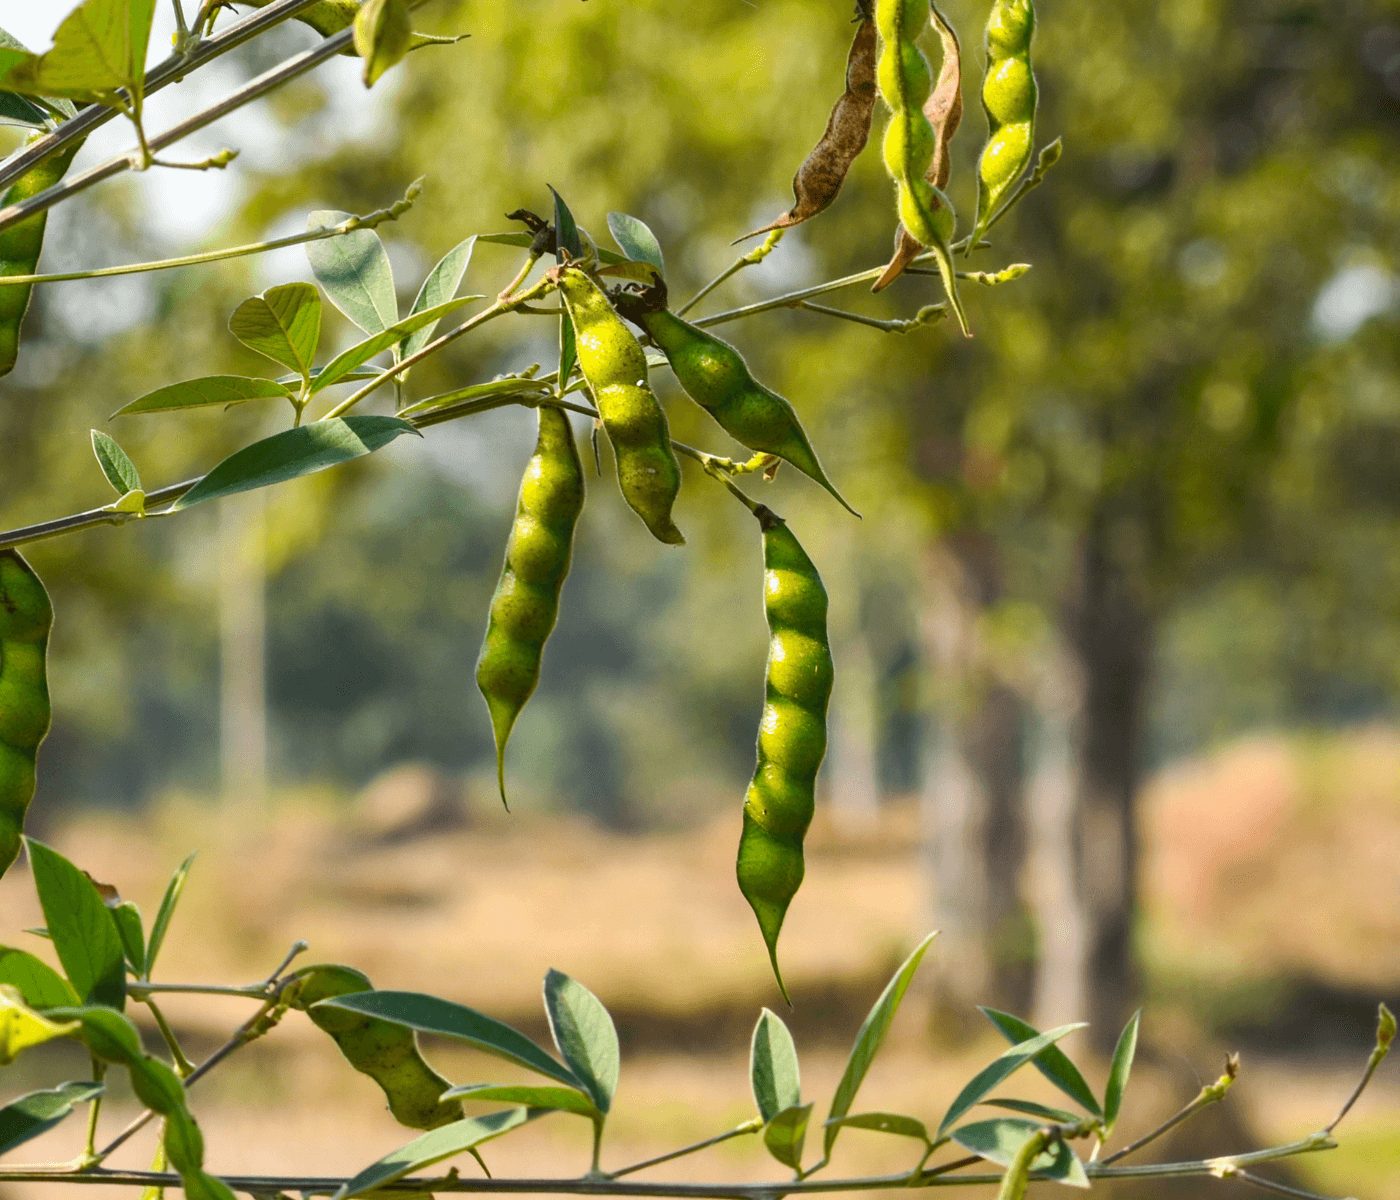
{"points": [[751, 259], [90, 1155], [738, 1131], [183, 1067], [1210, 1094]]}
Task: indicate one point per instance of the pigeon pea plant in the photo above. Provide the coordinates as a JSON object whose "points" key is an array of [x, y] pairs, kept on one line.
{"points": [[613, 306], [107, 958]]}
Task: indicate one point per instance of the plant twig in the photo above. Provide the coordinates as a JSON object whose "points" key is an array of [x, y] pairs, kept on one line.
{"points": [[738, 1131], [1385, 1038], [751, 259], [1212, 1093]]}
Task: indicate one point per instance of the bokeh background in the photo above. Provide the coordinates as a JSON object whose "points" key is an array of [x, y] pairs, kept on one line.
{"points": [[1117, 641]]}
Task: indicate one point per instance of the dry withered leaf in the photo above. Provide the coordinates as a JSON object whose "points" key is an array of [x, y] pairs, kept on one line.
{"points": [[823, 171], [944, 110]]}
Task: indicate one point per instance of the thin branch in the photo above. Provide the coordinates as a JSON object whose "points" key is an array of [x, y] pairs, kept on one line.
{"points": [[1385, 1038], [1271, 1185], [751, 259], [350, 225], [170, 70], [737, 1131], [254, 89], [1210, 1094]]}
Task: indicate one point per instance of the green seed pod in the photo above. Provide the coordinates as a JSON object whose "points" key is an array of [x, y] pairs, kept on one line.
{"points": [[715, 375], [387, 1053], [615, 368], [526, 604], [20, 245], [910, 143], [1009, 100], [26, 617], [792, 733]]}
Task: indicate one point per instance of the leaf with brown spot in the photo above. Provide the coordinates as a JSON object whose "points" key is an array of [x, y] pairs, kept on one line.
{"points": [[944, 110], [819, 178]]}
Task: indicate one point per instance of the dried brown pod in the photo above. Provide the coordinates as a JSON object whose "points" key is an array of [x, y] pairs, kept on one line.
{"points": [[944, 111], [823, 171]]}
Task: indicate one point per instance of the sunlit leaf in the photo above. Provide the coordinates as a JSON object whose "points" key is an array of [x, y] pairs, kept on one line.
{"points": [[433, 1147], [355, 272], [22, 1027], [98, 48], [116, 464], [556, 1099], [39, 984], [786, 1133], [208, 391], [884, 1122], [773, 1069], [1007, 1064], [347, 361], [636, 239], [161, 925], [38, 1112], [283, 323], [383, 34]]}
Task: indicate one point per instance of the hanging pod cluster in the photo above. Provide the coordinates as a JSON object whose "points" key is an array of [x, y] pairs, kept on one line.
{"points": [[26, 617], [1009, 98]]}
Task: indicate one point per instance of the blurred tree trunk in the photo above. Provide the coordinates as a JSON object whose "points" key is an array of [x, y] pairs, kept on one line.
{"points": [[973, 790], [1088, 968], [851, 783]]}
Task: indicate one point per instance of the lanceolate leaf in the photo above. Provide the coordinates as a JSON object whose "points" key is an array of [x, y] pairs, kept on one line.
{"points": [[161, 925], [511, 386], [284, 323], [360, 353], [433, 1147], [429, 1014], [1053, 1063], [986, 1079], [883, 1122], [773, 1066], [81, 926], [868, 1040], [116, 465], [998, 1141], [439, 287], [1053, 1116], [554, 1099], [38, 1112], [786, 1133], [39, 984], [354, 269], [293, 453], [584, 1034], [206, 392], [1119, 1071]]}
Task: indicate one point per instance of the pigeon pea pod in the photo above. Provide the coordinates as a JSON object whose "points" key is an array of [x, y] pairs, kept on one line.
{"points": [[26, 616], [385, 1052], [526, 604], [1009, 97], [715, 375], [615, 369], [905, 80], [20, 246], [781, 798]]}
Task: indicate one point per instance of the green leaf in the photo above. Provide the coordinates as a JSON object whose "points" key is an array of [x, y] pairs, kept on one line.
{"points": [[433, 1147], [128, 921], [207, 392], [999, 1140], [1119, 1070], [293, 453], [81, 926], [99, 47], [438, 288], [161, 925], [116, 465], [637, 241], [1053, 1116], [1053, 1064], [383, 35], [786, 1134], [360, 353], [585, 1036], [867, 1044], [14, 109], [553, 1099], [1010, 1061], [38, 1112], [129, 502], [511, 386], [884, 1122], [429, 1014], [39, 984], [354, 269], [283, 323], [773, 1066], [565, 229], [22, 1027]]}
